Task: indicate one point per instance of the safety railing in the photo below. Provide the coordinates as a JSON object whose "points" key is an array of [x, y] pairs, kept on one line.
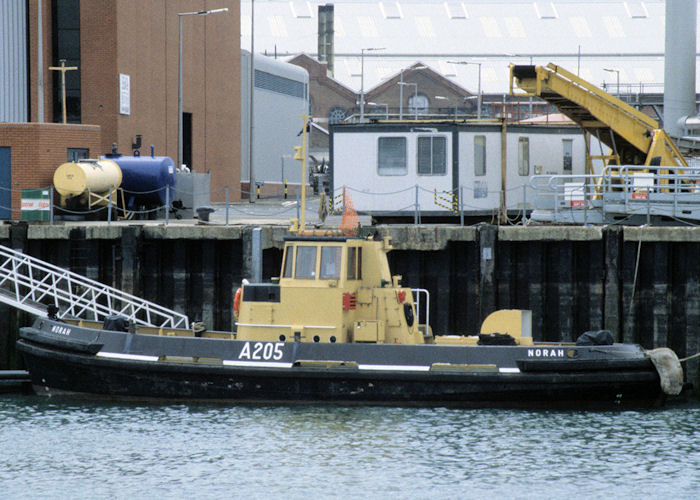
{"points": [[32, 285]]}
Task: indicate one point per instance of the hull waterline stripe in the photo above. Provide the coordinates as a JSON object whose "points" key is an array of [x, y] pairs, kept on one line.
{"points": [[260, 364], [133, 357], [412, 368], [509, 370]]}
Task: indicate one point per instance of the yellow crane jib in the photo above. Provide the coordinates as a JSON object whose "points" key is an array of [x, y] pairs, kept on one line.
{"points": [[633, 137]]}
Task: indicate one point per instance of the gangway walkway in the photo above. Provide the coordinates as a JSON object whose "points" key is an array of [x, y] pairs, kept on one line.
{"points": [[32, 285]]}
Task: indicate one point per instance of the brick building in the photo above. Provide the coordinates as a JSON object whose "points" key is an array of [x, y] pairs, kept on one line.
{"points": [[126, 84]]}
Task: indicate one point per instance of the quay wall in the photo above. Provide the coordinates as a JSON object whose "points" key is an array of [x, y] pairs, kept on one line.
{"points": [[641, 283]]}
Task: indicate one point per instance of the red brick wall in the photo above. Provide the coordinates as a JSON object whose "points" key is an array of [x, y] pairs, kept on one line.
{"points": [[38, 149]]}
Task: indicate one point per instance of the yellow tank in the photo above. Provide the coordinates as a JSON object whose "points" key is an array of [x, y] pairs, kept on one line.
{"points": [[87, 176]]}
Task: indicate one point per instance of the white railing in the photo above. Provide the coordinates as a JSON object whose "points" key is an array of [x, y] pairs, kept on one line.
{"points": [[417, 292], [31, 284]]}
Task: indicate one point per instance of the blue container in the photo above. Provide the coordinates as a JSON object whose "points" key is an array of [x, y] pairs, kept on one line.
{"points": [[145, 179]]}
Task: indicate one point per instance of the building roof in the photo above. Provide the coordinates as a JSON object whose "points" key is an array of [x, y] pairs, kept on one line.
{"points": [[583, 36]]}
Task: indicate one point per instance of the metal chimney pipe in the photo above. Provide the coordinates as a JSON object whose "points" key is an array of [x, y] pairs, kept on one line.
{"points": [[679, 65]]}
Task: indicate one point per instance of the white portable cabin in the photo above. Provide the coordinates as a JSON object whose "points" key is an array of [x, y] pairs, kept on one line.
{"points": [[281, 92], [444, 168]]}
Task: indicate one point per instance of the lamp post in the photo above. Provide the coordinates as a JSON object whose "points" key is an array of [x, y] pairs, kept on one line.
{"points": [[613, 70], [180, 15], [362, 79], [415, 98], [478, 92], [401, 87]]}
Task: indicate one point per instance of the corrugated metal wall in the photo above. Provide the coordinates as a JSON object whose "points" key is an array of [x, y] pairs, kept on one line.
{"points": [[13, 61]]}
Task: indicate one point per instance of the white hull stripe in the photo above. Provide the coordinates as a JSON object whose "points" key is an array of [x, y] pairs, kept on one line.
{"points": [[509, 370], [411, 368], [133, 357], [260, 364]]}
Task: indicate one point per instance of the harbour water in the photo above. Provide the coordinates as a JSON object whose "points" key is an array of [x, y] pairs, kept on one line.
{"points": [[63, 448]]}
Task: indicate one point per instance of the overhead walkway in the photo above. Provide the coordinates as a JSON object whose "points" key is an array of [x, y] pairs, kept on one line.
{"points": [[33, 285]]}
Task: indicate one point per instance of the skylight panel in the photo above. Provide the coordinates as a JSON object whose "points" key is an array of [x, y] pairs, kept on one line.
{"points": [[636, 10], [367, 27], [614, 27], [338, 27], [545, 10], [245, 25], [515, 27], [644, 74], [301, 9], [580, 26], [391, 10], [425, 27], [456, 10], [447, 69], [353, 67], [278, 28], [490, 26]]}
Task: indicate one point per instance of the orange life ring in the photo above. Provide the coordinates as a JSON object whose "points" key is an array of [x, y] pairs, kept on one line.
{"points": [[237, 303]]}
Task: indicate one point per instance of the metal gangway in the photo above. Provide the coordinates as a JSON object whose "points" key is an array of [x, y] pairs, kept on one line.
{"points": [[33, 285]]}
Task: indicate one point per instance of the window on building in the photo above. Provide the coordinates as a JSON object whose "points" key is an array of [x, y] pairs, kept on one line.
{"points": [[523, 156], [391, 156], [355, 263], [336, 115], [330, 262], [305, 262], [77, 154], [432, 155], [418, 104], [479, 155], [567, 151], [66, 45]]}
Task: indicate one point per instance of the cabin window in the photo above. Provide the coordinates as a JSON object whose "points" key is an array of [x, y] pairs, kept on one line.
{"points": [[567, 155], [288, 262], [392, 156], [523, 156], [305, 262], [432, 155], [330, 262], [355, 263], [479, 155]]}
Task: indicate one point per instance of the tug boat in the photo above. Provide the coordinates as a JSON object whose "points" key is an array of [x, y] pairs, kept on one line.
{"points": [[337, 327]]}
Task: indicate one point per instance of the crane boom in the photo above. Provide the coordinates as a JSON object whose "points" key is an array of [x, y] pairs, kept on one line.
{"points": [[633, 137]]}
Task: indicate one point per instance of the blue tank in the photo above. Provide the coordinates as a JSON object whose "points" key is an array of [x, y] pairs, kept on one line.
{"points": [[145, 179]]}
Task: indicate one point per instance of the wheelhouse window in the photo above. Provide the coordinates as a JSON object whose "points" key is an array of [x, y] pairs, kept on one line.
{"points": [[330, 262], [305, 266], [288, 263], [479, 155], [391, 156], [355, 263], [432, 155], [567, 155], [523, 156]]}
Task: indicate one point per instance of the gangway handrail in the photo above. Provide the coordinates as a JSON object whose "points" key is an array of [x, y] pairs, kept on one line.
{"points": [[31, 282]]}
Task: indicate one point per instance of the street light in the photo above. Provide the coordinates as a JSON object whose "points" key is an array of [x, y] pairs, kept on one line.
{"points": [[386, 107], [613, 70], [401, 87], [478, 105], [415, 98], [180, 15], [362, 79]]}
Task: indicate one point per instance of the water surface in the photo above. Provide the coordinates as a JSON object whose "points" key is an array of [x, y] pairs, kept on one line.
{"points": [[61, 448]]}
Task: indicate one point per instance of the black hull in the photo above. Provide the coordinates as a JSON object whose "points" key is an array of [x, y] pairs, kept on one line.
{"points": [[75, 371]]}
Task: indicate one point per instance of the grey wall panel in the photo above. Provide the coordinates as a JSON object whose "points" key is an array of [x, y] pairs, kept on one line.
{"points": [[13, 61]]}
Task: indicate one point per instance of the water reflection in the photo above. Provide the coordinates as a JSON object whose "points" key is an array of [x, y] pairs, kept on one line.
{"points": [[207, 451]]}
